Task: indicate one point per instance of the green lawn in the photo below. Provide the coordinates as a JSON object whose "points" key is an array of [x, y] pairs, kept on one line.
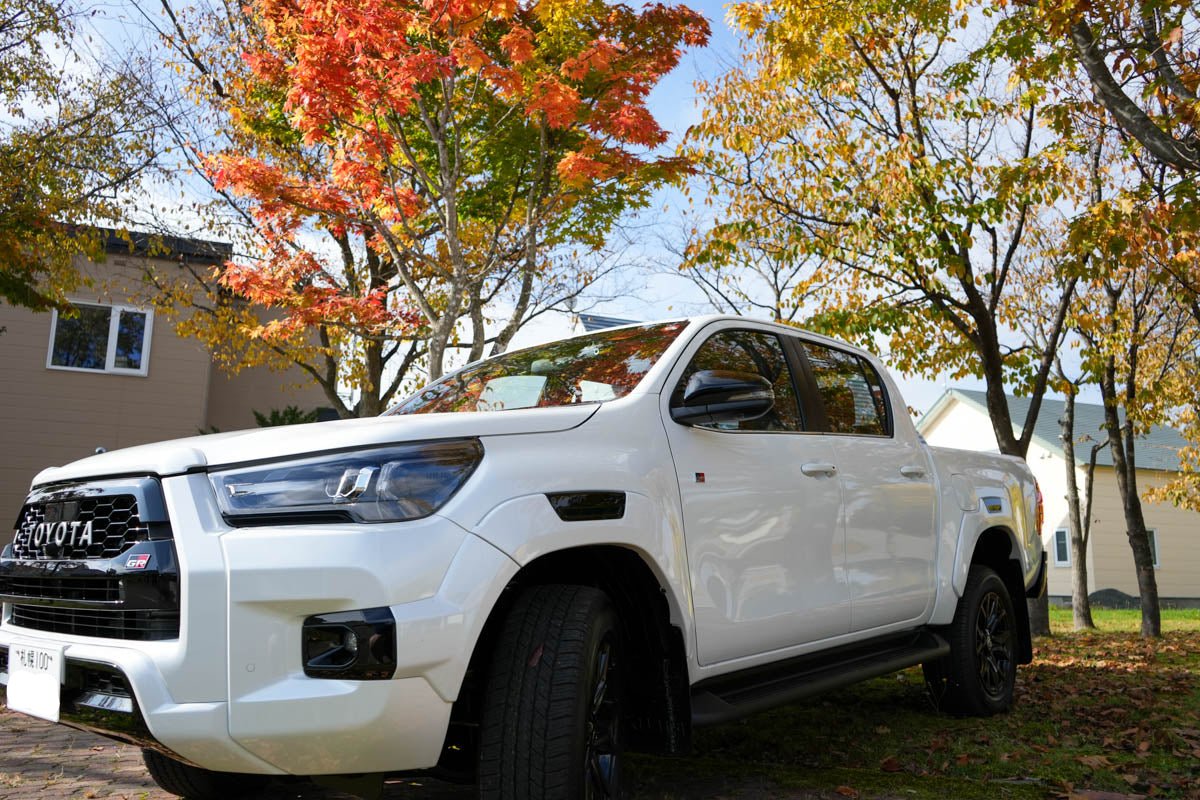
{"points": [[1096, 712], [1127, 621]]}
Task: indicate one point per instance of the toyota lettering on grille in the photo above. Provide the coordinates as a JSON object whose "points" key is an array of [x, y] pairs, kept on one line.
{"points": [[54, 536]]}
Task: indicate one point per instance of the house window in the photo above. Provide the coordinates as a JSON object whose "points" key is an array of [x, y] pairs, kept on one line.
{"points": [[1062, 548], [1153, 537], [100, 338]]}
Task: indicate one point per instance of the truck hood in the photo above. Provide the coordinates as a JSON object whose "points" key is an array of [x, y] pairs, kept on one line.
{"points": [[181, 455]]}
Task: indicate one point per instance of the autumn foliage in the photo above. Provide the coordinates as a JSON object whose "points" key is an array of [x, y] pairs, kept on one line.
{"points": [[458, 141]]}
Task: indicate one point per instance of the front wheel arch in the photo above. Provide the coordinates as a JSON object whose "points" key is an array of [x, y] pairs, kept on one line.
{"points": [[658, 718]]}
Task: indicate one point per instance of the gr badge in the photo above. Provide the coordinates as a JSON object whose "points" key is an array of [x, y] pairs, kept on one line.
{"points": [[137, 561]]}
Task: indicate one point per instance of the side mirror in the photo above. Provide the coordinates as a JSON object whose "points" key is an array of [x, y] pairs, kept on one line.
{"points": [[718, 395]]}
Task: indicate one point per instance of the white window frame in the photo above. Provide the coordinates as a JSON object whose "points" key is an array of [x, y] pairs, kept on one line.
{"points": [[110, 356], [1054, 546], [1152, 539]]}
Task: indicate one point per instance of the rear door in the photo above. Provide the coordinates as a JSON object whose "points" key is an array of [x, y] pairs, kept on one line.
{"points": [[887, 490], [761, 507]]}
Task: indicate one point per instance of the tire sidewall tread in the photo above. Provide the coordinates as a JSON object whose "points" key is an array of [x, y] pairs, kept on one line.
{"points": [[533, 734]]}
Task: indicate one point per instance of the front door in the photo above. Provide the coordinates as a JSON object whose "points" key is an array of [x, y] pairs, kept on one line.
{"points": [[761, 504]]}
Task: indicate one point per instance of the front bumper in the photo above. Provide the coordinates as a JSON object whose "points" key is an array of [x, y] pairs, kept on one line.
{"points": [[230, 694]]}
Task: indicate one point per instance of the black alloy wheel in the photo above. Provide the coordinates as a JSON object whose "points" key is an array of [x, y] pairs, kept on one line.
{"points": [[993, 645], [978, 677], [603, 755]]}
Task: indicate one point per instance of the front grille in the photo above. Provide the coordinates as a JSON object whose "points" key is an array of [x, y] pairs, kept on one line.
{"points": [[55, 529], [137, 625], [95, 590]]}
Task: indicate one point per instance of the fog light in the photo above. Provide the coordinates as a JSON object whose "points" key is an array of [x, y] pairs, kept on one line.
{"points": [[350, 645]]}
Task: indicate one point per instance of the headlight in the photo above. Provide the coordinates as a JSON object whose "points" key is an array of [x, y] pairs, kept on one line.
{"points": [[391, 484]]}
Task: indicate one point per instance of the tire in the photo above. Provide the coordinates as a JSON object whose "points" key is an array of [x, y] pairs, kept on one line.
{"points": [[551, 723], [195, 783], [978, 677]]}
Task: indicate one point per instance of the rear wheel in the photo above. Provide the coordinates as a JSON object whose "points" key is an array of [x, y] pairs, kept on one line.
{"points": [[195, 783], [979, 675], [552, 713]]}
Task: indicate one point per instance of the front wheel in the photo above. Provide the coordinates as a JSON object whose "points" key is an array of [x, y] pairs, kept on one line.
{"points": [[194, 783], [979, 675], [552, 713]]}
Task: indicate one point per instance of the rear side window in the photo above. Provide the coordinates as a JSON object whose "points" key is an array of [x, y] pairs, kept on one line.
{"points": [[850, 389], [757, 353]]}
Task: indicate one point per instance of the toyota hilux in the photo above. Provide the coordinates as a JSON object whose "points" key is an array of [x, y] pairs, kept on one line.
{"points": [[528, 568]]}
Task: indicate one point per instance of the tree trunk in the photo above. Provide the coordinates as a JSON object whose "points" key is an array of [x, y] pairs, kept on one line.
{"points": [[369, 401], [1081, 607], [1121, 440]]}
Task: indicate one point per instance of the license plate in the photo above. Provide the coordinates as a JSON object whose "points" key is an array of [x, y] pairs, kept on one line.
{"points": [[35, 676]]}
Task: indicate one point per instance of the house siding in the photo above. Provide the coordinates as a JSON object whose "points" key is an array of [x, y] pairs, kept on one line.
{"points": [[1110, 561], [52, 417], [1178, 573]]}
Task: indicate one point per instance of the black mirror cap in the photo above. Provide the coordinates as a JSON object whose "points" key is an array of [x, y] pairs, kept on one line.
{"points": [[718, 395]]}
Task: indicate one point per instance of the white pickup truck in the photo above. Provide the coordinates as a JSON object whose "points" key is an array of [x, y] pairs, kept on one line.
{"points": [[526, 569]]}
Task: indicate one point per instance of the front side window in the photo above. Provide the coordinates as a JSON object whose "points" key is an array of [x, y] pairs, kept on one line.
{"points": [[757, 353], [851, 390], [101, 338], [586, 369]]}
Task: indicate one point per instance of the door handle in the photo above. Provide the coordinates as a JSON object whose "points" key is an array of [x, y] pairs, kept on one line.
{"points": [[913, 472], [816, 469]]}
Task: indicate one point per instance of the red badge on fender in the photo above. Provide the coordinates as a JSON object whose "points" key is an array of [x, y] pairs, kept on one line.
{"points": [[138, 561]]}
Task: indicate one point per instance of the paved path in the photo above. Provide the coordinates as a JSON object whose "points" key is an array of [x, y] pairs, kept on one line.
{"points": [[41, 761]]}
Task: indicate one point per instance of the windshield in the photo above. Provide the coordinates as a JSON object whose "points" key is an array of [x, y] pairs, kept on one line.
{"points": [[586, 369]]}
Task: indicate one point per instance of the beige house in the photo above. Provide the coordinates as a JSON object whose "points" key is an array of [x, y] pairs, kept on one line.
{"points": [[116, 375], [959, 419]]}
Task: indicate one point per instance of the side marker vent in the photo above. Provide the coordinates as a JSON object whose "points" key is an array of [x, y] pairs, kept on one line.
{"points": [[587, 506]]}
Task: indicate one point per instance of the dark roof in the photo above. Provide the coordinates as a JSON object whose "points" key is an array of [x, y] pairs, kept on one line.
{"points": [[161, 246], [594, 322], [1158, 449]]}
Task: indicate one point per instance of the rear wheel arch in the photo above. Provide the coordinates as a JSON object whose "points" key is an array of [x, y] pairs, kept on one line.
{"points": [[658, 717]]}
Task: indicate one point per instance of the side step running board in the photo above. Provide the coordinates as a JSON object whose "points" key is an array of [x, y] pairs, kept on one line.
{"points": [[729, 697]]}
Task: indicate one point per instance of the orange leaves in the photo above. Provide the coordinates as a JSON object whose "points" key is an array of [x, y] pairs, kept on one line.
{"points": [[598, 57], [308, 294], [518, 44], [577, 169], [468, 55], [633, 123], [557, 100]]}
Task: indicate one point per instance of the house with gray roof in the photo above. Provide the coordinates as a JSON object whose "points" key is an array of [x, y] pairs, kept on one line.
{"points": [[960, 419]]}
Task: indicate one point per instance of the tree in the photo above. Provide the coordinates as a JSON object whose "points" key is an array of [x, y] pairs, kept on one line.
{"points": [[71, 137], [1140, 58], [1135, 319], [461, 144], [1136, 336], [748, 268], [877, 141], [1079, 514], [884, 148]]}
